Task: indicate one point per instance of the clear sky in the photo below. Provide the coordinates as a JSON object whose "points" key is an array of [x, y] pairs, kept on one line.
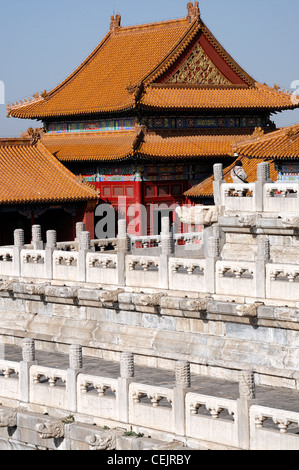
{"points": [[42, 42]]}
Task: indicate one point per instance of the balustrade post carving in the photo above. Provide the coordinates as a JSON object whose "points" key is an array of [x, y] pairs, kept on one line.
{"points": [[84, 247], [182, 374], [246, 400], [127, 365], [37, 237], [263, 172], [126, 376], [166, 251], [51, 244], [262, 258], [123, 243], [212, 255], [28, 350], [262, 177], [166, 237], [75, 367], [18, 246], [182, 386], [218, 181], [80, 227], [76, 356], [247, 384], [28, 356]]}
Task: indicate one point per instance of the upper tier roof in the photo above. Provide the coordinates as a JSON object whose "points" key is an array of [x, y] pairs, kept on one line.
{"points": [[118, 75], [30, 174]]}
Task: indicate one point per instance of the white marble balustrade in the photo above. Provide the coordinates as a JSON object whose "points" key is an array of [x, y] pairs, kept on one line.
{"points": [[235, 277], [6, 261], [9, 383], [102, 268], [145, 406], [282, 434], [282, 281], [48, 385], [211, 426], [65, 265], [99, 394]]}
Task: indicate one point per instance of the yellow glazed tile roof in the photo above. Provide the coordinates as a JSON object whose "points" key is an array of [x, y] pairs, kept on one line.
{"points": [[120, 145], [120, 74], [220, 97], [105, 81], [187, 145], [29, 173], [281, 144], [104, 146]]}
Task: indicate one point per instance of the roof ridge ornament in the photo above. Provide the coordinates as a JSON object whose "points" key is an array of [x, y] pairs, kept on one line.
{"points": [[115, 23], [35, 134], [193, 11]]}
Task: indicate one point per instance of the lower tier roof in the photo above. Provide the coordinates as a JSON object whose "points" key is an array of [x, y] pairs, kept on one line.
{"points": [[30, 174], [282, 144], [120, 145]]}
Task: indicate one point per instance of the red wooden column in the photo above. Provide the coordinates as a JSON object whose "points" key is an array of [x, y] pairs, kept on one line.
{"points": [[88, 219], [139, 202]]}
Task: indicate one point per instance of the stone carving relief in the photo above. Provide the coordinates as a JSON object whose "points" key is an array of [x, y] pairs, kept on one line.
{"points": [[8, 418], [198, 215], [292, 222], [50, 430], [151, 300], [248, 310], [104, 441]]}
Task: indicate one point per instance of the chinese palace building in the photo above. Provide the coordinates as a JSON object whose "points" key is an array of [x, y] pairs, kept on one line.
{"points": [[151, 109], [35, 188], [280, 148]]}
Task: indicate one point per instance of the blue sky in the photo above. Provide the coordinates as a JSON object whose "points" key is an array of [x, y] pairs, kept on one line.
{"points": [[42, 42]]}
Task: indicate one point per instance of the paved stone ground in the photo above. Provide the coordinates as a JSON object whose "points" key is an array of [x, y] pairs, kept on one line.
{"points": [[267, 396]]}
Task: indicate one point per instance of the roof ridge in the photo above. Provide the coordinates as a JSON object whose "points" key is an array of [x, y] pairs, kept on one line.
{"points": [[173, 54], [137, 27], [226, 56]]}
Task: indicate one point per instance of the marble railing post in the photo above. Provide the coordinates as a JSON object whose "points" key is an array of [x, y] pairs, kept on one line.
{"points": [[182, 386], [75, 367], [262, 258], [80, 227], [167, 250], [28, 353], [84, 247], [50, 247], [218, 181], [212, 255], [37, 241], [127, 373], [246, 400], [123, 248], [18, 246], [263, 176]]}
